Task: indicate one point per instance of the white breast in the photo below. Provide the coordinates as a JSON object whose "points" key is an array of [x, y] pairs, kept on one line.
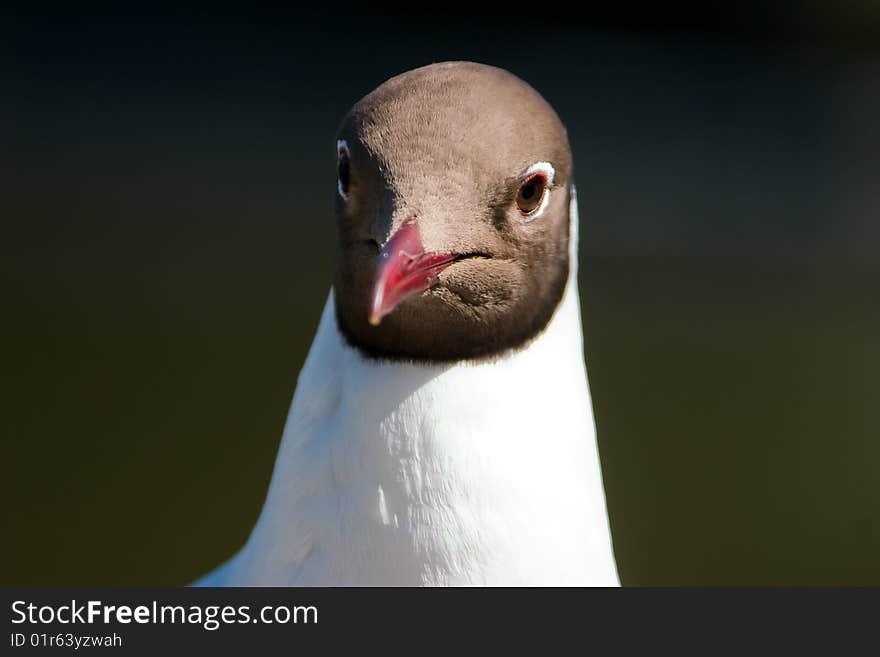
{"points": [[402, 474]]}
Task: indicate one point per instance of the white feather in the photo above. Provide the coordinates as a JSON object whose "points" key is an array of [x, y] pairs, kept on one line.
{"points": [[466, 474]]}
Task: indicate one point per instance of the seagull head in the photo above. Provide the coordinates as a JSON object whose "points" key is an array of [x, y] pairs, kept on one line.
{"points": [[451, 199]]}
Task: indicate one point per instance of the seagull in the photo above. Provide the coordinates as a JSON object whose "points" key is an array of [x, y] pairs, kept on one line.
{"points": [[441, 432]]}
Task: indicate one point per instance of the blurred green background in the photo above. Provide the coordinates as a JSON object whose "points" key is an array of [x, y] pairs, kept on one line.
{"points": [[167, 245]]}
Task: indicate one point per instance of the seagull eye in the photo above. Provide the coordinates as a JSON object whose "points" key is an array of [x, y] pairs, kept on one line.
{"points": [[531, 193], [343, 168]]}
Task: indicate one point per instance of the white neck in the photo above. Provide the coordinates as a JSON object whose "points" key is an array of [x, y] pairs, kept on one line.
{"points": [[473, 473]]}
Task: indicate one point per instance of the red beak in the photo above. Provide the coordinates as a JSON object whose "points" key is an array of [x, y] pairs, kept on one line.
{"points": [[404, 271]]}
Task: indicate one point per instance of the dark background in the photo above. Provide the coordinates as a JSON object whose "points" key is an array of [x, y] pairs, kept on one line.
{"points": [[167, 244]]}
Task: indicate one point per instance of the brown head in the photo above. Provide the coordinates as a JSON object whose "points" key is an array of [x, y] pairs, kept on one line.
{"points": [[452, 205]]}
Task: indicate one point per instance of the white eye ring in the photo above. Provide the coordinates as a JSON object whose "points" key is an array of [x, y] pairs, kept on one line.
{"points": [[545, 169], [341, 149]]}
